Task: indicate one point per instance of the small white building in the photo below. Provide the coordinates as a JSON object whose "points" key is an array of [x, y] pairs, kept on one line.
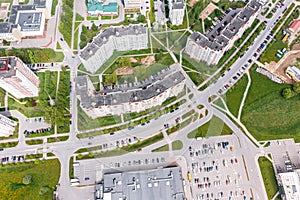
{"points": [[294, 73]]}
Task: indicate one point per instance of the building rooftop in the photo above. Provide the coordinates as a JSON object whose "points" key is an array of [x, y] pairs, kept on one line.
{"points": [[16, 8], [104, 36], [228, 27], [6, 27], [153, 184], [40, 3], [177, 4], [29, 21], [94, 5], [290, 182], [7, 66], [294, 71], [153, 86], [295, 25]]}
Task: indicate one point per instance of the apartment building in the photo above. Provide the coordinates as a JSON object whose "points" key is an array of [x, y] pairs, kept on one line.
{"points": [[176, 12], [212, 46], [26, 21], [122, 38], [128, 98], [17, 79], [7, 126], [141, 6]]}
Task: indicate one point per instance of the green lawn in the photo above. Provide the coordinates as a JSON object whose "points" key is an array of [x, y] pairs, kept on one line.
{"points": [[79, 17], [226, 4], [176, 145], [85, 122], [161, 148], [234, 96], [75, 44], [214, 127], [268, 174], [2, 97], [143, 143], [33, 55], [65, 25], [266, 114], [54, 4], [44, 174]]}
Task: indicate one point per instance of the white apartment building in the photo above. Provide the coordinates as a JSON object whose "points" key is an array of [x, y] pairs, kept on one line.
{"points": [[17, 79], [176, 12], [122, 100], [122, 38], [7, 126], [212, 46]]}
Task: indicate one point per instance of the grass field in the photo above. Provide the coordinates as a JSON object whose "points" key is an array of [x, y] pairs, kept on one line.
{"points": [[85, 122], [176, 145], [268, 174], [234, 96], [45, 175], [266, 114], [214, 127]]}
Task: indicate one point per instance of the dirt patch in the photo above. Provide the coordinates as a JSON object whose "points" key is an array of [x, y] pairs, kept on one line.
{"points": [[207, 11], [279, 68], [124, 71], [193, 2], [296, 47]]}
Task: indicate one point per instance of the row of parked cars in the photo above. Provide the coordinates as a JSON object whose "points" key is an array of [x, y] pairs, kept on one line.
{"points": [[6, 159], [41, 130]]}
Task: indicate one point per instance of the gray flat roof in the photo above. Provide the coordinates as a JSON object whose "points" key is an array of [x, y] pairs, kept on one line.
{"points": [[30, 21], [147, 89], [104, 36], [177, 4], [222, 32], [16, 8], [153, 184], [5, 27], [40, 3], [7, 66]]}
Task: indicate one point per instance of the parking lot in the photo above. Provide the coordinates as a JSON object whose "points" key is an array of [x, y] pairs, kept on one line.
{"points": [[285, 155], [217, 169]]}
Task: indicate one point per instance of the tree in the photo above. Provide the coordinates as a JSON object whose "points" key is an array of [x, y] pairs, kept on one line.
{"points": [[27, 180], [91, 155], [124, 61], [287, 93], [141, 18], [44, 190], [296, 87], [111, 78], [94, 27]]}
